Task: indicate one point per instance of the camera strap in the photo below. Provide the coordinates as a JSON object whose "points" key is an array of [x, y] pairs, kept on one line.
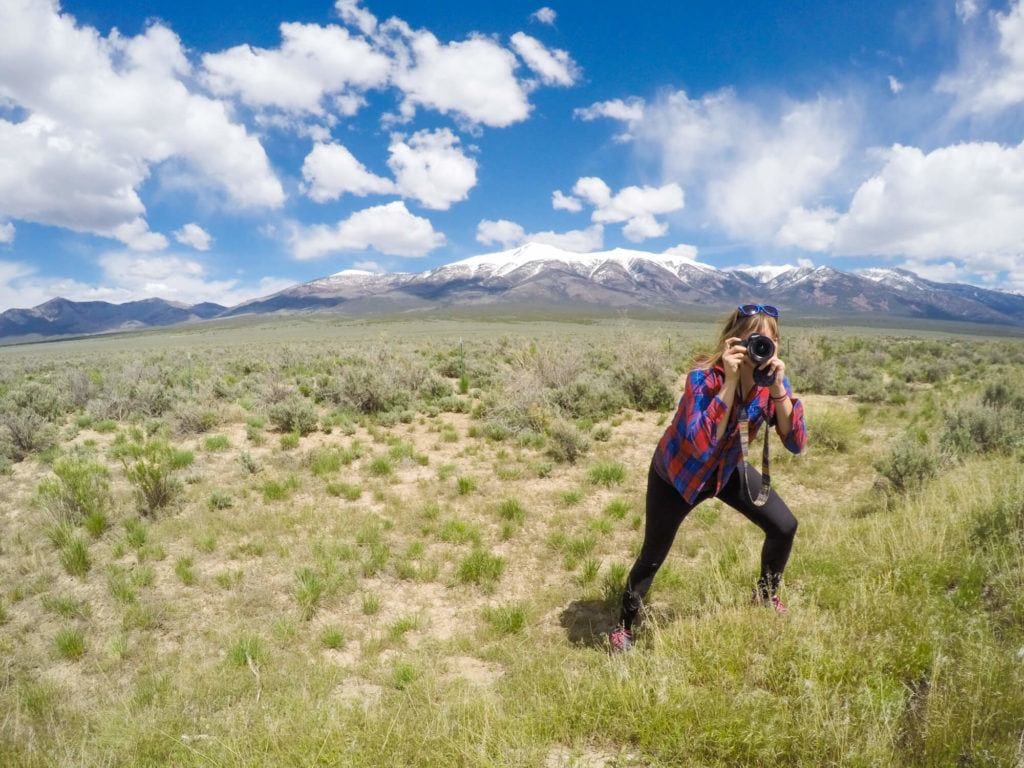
{"points": [[766, 478]]}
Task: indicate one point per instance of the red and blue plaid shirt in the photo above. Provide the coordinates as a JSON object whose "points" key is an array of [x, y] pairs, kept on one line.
{"points": [[689, 452]]}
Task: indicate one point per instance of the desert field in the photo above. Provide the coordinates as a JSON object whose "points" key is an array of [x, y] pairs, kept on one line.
{"points": [[401, 542]]}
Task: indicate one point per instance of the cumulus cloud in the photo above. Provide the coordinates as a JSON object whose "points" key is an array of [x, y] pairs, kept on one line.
{"points": [[101, 111], [429, 166], [562, 202], [964, 201], [748, 166], [990, 78], [389, 229], [312, 62], [127, 276], [895, 86], [508, 234], [544, 15], [330, 171], [812, 230], [554, 67], [6, 233], [634, 206], [685, 250], [193, 235]]}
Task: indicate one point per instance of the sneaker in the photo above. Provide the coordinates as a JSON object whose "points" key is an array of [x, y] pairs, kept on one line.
{"points": [[621, 640], [773, 602]]}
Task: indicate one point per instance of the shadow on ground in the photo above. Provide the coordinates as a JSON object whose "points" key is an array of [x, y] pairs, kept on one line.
{"points": [[588, 622]]}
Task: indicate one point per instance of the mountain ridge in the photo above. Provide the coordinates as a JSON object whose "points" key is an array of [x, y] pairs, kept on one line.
{"points": [[536, 274]]}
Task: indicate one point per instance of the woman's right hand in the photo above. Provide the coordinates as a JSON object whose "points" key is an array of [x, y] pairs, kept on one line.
{"points": [[733, 357]]}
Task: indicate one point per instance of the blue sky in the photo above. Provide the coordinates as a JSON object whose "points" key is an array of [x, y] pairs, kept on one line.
{"points": [[219, 151]]}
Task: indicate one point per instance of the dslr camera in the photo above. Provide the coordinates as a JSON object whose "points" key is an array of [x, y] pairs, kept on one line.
{"points": [[760, 349]]}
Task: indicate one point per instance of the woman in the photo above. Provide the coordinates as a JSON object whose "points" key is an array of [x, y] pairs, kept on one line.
{"points": [[699, 451]]}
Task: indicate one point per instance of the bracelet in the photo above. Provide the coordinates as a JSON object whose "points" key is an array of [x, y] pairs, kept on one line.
{"points": [[776, 399]]}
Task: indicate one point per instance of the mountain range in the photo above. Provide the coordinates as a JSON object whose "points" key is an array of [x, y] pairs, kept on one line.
{"points": [[538, 275]]}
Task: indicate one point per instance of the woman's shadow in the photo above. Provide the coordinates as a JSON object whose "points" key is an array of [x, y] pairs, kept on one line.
{"points": [[588, 622]]}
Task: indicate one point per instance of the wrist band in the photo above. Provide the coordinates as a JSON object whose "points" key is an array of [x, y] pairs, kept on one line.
{"points": [[780, 398]]}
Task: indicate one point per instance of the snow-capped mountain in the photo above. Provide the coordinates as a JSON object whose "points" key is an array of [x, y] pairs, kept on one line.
{"points": [[542, 276], [536, 274]]}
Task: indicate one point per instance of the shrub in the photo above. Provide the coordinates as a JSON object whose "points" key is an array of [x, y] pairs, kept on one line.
{"points": [[372, 389], [152, 476], [80, 489], [644, 377], [296, 414], [833, 430], [908, 464], [27, 432], [978, 428], [193, 418], [566, 443]]}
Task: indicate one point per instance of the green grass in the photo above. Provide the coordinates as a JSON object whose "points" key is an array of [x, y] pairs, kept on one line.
{"points": [[607, 473], [481, 567], [217, 443], [70, 643], [506, 619]]}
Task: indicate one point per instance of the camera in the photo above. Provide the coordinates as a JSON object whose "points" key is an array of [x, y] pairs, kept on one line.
{"points": [[760, 349]]}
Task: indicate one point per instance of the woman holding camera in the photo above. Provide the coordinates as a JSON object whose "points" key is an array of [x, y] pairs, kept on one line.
{"points": [[698, 457]]}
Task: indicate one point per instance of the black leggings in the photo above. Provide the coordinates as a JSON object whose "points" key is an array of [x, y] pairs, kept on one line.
{"points": [[666, 509]]}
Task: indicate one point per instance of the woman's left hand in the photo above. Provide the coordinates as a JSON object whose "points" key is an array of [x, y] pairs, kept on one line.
{"points": [[776, 366]]}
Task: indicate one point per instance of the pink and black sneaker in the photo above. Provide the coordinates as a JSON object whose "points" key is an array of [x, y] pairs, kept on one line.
{"points": [[621, 640], [773, 602]]}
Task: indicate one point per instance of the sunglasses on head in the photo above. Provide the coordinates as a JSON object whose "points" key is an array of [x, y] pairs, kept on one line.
{"points": [[752, 309]]}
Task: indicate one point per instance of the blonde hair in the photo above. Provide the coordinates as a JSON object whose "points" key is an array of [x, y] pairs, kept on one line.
{"points": [[736, 324]]}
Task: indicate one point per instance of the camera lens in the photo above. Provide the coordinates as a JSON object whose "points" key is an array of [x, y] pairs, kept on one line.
{"points": [[761, 348]]}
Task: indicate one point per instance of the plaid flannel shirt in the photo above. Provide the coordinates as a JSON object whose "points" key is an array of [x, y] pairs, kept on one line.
{"points": [[689, 452]]}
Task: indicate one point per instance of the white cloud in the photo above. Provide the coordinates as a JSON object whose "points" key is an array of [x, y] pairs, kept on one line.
{"points": [[812, 230], [685, 250], [895, 85], [369, 266], [311, 63], [966, 9], [563, 202], [128, 276], [748, 167], [628, 111], [474, 79], [330, 171], [636, 206], [429, 167], [432, 168], [358, 17], [555, 67], [990, 78], [101, 111], [389, 229], [544, 15], [964, 201], [193, 235], [502, 232], [508, 234], [6, 233]]}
